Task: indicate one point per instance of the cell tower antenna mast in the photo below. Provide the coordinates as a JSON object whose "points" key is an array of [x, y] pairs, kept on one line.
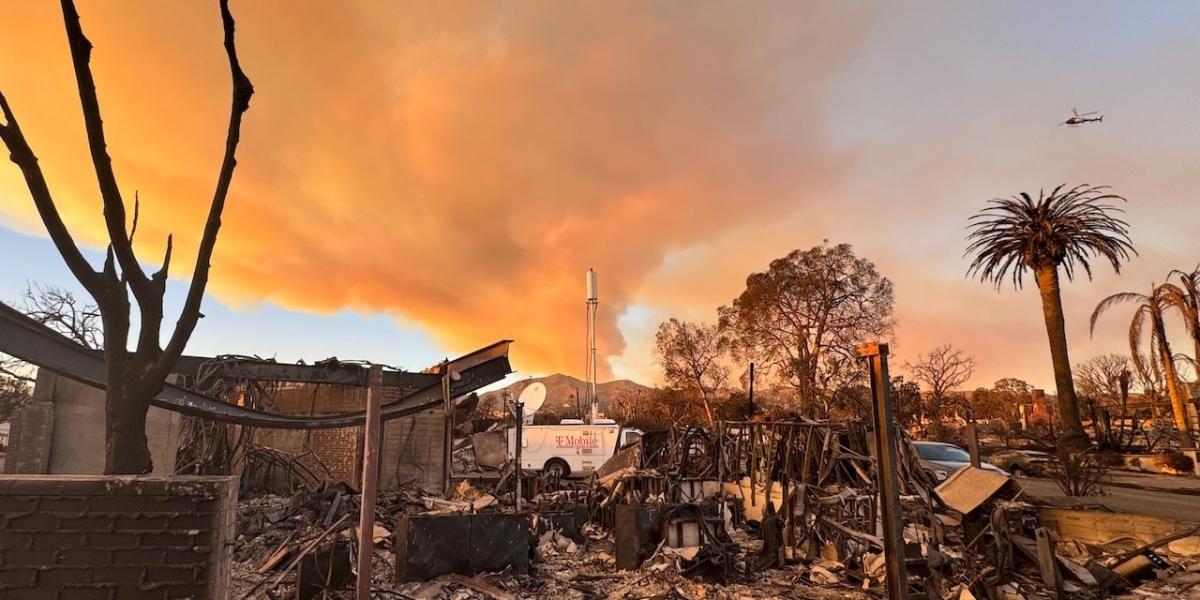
{"points": [[593, 302]]}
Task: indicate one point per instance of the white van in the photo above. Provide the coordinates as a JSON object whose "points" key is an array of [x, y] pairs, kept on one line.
{"points": [[570, 449]]}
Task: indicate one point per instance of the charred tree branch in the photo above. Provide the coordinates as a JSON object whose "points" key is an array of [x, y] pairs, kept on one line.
{"points": [[22, 155], [242, 91], [114, 206]]}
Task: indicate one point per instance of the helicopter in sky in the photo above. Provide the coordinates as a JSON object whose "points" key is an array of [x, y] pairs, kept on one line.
{"points": [[1078, 119]]}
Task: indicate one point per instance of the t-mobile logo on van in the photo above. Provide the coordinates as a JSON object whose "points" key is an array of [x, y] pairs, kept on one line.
{"points": [[585, 439]]}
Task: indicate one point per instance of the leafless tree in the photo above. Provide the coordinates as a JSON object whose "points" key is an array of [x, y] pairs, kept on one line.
{"points": [[1100, 378], [691, 356], [1104, 383], [135, 376], [943, 369], [60, 310]]}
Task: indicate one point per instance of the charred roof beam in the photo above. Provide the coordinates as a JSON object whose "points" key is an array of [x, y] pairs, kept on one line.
{"points": [[335, 374]]}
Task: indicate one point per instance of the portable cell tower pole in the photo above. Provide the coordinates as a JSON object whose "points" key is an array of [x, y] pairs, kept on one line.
{"points": [[370, 481], [593, 303], [886, 463]]}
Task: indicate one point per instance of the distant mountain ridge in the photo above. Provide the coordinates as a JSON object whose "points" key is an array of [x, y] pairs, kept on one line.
{"points": [[562, 391]]}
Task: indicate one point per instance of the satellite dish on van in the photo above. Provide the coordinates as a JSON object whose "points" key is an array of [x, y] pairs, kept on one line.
{"points": [[533, 396]]}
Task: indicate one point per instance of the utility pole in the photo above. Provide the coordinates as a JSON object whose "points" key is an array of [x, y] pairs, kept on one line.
{"points": [[886, 461], [751, 416], [370, 481], [973, 438]]}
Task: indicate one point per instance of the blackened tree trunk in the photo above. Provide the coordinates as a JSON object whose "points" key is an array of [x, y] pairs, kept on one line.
{"points": [[1073, 436], [133, 377], [935, 407], [1175, 391]]}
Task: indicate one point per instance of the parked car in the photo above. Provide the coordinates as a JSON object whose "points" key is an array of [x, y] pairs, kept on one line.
{"points": [[1023, 462], [940, 459]]}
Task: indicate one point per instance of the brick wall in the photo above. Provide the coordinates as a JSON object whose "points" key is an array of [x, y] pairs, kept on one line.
{"points": [[412, 447], [115, 538], [412, 450], [338, 451]]}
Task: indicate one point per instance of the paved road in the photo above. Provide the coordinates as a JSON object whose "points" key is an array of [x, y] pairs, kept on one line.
{"points": [[1122, 499]]}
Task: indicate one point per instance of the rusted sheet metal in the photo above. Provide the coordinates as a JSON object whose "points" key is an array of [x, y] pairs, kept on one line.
{"points": [[30, 341]]}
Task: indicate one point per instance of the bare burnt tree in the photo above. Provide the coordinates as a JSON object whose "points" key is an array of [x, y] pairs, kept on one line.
{"points": [[60, 310], [943, 369], [134, 376], [1104, 382], [1100, 378], [802, 318], [691, 357]]}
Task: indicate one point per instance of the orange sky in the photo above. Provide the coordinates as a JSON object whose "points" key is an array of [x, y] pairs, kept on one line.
{"points": [[460, 165]]}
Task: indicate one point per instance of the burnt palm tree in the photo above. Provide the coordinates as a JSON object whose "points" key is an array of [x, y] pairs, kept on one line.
{"points": [[1067, 229], [1185, 297], [1150, 312]]}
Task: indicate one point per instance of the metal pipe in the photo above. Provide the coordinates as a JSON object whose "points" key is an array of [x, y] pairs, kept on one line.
{"points": [[751, 415], [519, 471], [973, 439], [447, 428]]}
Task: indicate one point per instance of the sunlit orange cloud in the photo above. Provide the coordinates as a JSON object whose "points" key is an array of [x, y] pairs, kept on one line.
{"points": [[458, 165]]}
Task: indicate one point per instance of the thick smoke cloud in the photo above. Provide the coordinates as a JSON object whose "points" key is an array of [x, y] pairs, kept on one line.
{"points": [[458, 165]]}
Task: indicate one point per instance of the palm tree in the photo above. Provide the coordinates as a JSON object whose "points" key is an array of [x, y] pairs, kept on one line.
{"points": [[1065, 229], [1150, 311]]}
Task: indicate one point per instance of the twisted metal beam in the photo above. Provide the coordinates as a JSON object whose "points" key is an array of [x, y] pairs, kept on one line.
{"points": [[33, 342]]}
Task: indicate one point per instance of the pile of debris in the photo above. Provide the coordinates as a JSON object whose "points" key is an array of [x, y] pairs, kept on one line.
{"points": [[750, 510]]}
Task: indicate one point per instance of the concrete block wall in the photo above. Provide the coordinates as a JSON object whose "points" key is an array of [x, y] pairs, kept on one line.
{"points": [[115, 538], [61, 431]]}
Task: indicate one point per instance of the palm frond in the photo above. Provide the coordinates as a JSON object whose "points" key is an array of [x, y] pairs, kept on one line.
{"points": [[1070, 228], [1135, 338], [1111, 301]]}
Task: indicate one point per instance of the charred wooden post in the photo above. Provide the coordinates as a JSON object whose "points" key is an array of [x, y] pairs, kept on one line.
{"points": [[370, 481], [886, 466], [448, 428], [973, 439]]}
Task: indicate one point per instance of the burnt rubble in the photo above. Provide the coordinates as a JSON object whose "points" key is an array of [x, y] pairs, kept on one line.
{"points": [[745, 510]]}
